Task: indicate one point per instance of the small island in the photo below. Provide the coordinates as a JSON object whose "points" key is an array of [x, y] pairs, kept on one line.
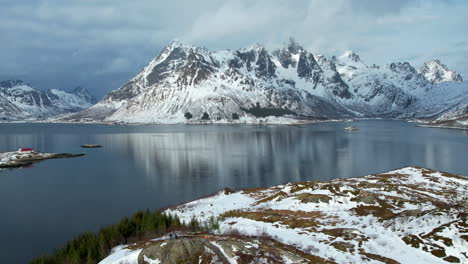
{"points": [[91, 146], [351, 128], [26, 156]]}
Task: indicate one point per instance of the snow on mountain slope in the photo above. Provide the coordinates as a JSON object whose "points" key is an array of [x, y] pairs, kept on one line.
{"points": [[453, 113], [347, 63], [398, 90], [188, 81], [382, 91], [410, 215], [436, 72], [20, 101], [458, 122], [444, 101]]}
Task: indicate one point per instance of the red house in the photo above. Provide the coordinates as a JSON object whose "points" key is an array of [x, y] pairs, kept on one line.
{"points": [[25, 150]]}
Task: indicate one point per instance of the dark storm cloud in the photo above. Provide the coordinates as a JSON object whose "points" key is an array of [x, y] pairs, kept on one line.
{"points": [[101, 44]]}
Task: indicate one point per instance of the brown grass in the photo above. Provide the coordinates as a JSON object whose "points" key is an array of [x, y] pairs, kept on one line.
{"points": [[378, 257], [313, 198], [299, 186], [311, 258], [253, 190], [378, 211], [278, 195], [343, 246], [292, 219]]}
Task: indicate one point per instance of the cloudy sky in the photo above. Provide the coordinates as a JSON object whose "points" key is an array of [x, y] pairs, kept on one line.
{"points": [[99, 44]]}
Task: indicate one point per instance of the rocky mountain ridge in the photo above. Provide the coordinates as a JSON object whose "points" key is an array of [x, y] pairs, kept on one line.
{"points": [[437, 72], [187, 83], [19, 101]]}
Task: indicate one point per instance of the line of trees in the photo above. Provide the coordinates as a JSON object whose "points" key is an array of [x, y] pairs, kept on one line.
{"points": [[256, 110], [92, 247], [205, 116], [259, 111]]}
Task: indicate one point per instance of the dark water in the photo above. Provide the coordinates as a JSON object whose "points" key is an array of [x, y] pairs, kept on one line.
{"points": [[155, 166]]}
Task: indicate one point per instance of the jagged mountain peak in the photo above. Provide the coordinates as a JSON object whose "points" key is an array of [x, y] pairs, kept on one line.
{"points": [[291, 53], [351, 55], [187, 79], [19, 101], [84, 93], [255, 58], [436, 72], [13, 83], [79, 89], [177, 43], [436, 61], [402, 67], [349, 59], [176, 50], [293, 46], [254, 48]]}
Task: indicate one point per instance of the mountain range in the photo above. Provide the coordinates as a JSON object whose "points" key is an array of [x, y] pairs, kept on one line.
{"points": [[20, 101], [186, 83]]}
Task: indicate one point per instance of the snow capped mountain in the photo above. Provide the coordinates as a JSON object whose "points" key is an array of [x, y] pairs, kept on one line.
{"points": [[187, 82], [380, 91], [247, 82], [82, 92], [20, 101], [436, 72]]}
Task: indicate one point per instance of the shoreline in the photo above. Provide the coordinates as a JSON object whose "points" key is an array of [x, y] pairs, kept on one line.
{"points": [[16, 161], [291, 122], [282, 122], [353, 219], [442, 126], [344, 220], [286, 122]]}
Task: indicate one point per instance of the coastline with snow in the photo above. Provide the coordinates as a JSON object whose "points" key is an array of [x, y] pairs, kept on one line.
{"points": [[409, 215], [269, 120], [18, 159]]}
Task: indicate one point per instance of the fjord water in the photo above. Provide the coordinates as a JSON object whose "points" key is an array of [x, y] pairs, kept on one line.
{"points": [[157, 166]]}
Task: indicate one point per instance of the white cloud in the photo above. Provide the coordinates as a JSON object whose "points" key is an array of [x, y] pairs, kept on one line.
{"points": [[238, 18]]}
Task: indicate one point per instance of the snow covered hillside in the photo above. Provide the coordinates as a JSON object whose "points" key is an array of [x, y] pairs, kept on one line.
{"points": [[20, 101], [186, 83], [410, 215], [437, 72], [456, 119]]}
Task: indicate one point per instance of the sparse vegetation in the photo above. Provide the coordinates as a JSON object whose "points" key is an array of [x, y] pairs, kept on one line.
{"points": [[258, 111], [292, 219], [378, 202], [205, 116], [93, 247], [188, 115], [378, 211]]}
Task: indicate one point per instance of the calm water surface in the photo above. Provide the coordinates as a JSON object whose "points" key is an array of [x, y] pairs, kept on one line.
{"points": [[156, 166]]}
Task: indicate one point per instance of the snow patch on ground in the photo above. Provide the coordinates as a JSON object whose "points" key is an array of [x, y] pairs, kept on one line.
{"points": [[122, 255]]}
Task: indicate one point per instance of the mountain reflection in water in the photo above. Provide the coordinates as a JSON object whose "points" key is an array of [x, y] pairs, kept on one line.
{"points": [[239, 158]]}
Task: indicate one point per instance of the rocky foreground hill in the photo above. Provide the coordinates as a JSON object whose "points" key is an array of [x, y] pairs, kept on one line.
{"points": [[410, 215], [186, 83]]}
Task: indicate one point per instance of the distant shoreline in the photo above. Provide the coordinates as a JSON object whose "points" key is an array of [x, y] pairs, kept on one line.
{"points": [[282, 121]]}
